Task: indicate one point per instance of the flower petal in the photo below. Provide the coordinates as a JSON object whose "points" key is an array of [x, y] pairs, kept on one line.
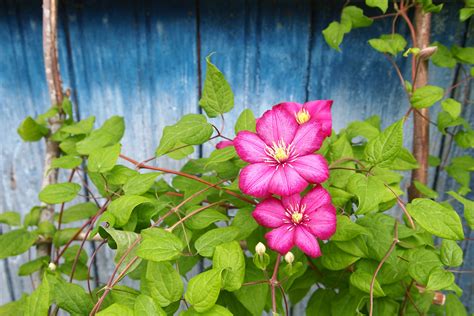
{"points": [[281, 239], [308, 138], [323, 222], [291, 200], [224, 144], [250, 147], [275, 125], [292, 107], [255, 179], [307, 242], [320, 110], [286, 181], [316, 198], [313, 168], [269, 213]]}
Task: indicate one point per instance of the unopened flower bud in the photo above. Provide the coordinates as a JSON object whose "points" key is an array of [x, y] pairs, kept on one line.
{"points": [[289, 257], [260, 249], [427, 52], [52, 266]]}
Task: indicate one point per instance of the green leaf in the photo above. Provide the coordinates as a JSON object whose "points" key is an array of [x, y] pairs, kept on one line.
{"points": [[116, 309], [70, 297], [437, 219], [217, 97], [426, 191], [14, 308], [368, 191], [180, 151], [245, 222], [434, 161], [10, 218], [439, 279], [341, 149], [82, 127], [454, 306], [191, 129], [362, 280], [122, 207], [318, 303], [38, 302], [451, 254], [110, 133], [426, 96], [465, 139], [336, 259], [451, 106], [422, 262], [103, 159], [465, 14], [463, 54], [230, 258], [443, 56], [159, 245], [122, 241], [203, 290], [59, 193], [79, 212], [445, 120], [30, 131], [334, 34], [468, 208], [384, 148], [206, 244], [245, 122], [16, 242], [144, 305], [362, 128], [163, 283], [347, 229], [32, 266], [386, 306], [221, 155], [381, 4], [389, 44], [355, 17], [428, 6], [66, 162], [140, 183], [404, 161], [216, 310], [204, 218]]}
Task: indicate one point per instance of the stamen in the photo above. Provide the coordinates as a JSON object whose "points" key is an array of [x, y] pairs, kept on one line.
{"points": [[302, 116], [279, 151]]}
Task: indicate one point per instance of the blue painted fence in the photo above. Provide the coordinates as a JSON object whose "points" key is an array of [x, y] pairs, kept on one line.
{"points": [[144, 60]]}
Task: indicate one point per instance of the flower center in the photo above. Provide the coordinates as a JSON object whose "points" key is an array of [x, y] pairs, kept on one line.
{"points": [[296, 217], [279, 151], [302, 116]]}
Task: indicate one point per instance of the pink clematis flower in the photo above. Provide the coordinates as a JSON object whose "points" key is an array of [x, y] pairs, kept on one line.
{"points": [[281, 155], [298, 221], [224, 144], [318, 110]]}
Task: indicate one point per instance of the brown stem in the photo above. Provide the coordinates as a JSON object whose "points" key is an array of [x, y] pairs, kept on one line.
{"points": [[421, 127], [89, 288], [372, 283], [189, 176], [274, 283], [53, 78]]}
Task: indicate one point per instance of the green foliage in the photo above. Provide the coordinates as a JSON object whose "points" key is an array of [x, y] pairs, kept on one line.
{"points": [[384, 148], [426, 96], [31, 131], [245, 122], [10, 218], [59, 193], [389, 44], [381, 4], [159, 245], [217, 97], [16, 242], [203, 290]]}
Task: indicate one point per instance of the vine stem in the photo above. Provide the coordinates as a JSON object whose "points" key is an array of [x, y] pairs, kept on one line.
{"points": [[186, 175], [192, 214], [274, 283], [372, 283]]}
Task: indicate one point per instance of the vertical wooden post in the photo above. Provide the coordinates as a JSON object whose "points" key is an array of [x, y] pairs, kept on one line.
{"points": [[50, 53], [421, 128]]}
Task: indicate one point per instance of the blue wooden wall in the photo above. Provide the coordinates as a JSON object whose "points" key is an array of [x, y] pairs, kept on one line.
{"points": [[144, 60]]}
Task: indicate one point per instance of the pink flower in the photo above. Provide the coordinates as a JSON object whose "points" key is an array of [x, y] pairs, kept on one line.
{"points": [[298, 221], [281, 155], [318, 110], [224, 144]]}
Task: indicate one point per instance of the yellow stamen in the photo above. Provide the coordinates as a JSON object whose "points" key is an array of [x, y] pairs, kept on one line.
{"points": [[302, 116], [279, 151], [280, 154], [296, 217]]}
